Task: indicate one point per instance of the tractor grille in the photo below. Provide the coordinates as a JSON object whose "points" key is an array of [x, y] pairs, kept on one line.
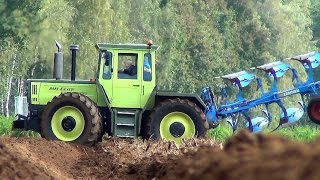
{"points": [[34, 89], [34, 93]]}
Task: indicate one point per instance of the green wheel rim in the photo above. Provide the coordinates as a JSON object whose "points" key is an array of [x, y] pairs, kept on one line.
{"points": [[56, 123], [182, 118]]}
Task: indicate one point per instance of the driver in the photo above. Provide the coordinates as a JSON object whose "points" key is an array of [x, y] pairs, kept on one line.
{"points": [[129, 69]]}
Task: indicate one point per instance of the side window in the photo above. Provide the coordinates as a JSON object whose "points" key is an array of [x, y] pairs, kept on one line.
{"points": [[127, 65], [107, 68], [147, 67]]}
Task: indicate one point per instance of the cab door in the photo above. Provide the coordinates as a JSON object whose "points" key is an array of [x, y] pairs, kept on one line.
{"points": [[127, 80], [148, 80]]}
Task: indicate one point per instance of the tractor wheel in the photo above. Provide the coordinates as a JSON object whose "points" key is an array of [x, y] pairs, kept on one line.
{"points": [[314, 110], [71, 117], [177, 119]]}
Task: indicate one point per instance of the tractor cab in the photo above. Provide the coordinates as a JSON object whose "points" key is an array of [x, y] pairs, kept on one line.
{"points": [[127, 73]]}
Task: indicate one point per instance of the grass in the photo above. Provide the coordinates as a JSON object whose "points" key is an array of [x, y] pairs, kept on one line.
{"points": [[6, 129], [303, 132], [221, 133], [5, 125]]}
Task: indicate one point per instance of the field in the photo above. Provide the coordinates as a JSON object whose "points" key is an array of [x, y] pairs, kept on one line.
{"points": [[243, 156]]}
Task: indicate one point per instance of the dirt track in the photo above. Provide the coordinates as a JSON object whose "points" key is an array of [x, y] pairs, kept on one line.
{"points": [[245, 156]]}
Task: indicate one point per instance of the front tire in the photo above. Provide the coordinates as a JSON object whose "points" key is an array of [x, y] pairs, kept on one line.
{"points": [[71, 117], [177, 119]]}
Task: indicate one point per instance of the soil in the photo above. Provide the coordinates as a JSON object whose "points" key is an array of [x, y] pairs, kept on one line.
{"points": [[244, 156]]}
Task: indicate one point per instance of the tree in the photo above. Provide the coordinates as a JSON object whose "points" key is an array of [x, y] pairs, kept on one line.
{"points": [[315, 15]]}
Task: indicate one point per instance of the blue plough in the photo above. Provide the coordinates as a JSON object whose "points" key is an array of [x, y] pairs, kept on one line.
{"points": [[231, 109]]}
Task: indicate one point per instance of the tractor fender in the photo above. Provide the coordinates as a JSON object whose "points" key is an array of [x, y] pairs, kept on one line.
{"points": [[163, 95]]}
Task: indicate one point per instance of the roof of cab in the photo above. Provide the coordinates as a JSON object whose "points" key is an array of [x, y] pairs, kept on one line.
{"points": [[106, 46]]}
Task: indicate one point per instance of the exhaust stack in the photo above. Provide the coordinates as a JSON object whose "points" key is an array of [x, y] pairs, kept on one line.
{"points": [[73, 49], [58, 63]]}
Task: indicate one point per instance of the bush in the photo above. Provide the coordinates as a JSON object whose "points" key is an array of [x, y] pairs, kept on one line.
{"points": [[5, 125], [6, 129]]}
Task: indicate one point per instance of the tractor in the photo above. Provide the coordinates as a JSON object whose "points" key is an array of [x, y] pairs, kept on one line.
{"points": [[122, 100]]}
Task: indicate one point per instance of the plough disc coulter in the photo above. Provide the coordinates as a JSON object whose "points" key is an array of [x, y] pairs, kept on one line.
{"points": [[241, 106]]}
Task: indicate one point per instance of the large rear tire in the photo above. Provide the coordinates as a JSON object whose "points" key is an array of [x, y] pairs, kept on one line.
{"points": [[314, 110], [177, 119], [71, 117]]}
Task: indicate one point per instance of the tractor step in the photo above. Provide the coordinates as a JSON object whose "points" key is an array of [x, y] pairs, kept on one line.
{"points": [[126, 122]]}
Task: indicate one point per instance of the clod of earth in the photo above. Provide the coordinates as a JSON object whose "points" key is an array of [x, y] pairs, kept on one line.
{"points": [[244, 156]]}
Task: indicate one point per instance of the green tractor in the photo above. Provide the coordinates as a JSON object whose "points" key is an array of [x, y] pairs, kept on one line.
{"points": [[122, 100]]}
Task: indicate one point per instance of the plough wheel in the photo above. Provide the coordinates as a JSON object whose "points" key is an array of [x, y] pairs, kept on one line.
{"points": [[71, 117], [177, 119], [314, 110]]}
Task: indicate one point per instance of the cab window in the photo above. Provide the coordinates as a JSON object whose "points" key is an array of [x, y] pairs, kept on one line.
{"points": [[127, 65], [107, 68], [147, 67]]}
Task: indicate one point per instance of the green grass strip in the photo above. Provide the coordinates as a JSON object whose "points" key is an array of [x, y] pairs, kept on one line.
{"points": [[302, 132]]}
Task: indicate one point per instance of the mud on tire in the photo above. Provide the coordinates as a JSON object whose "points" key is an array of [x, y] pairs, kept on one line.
{"points": [[82, 105], [178, 105]]}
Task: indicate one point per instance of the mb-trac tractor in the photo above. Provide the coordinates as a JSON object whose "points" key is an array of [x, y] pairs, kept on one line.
{"points": [[123, 99], [118, 102]]}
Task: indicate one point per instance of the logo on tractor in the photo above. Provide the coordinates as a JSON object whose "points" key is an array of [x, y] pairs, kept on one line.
{"points": [[60, 89]]}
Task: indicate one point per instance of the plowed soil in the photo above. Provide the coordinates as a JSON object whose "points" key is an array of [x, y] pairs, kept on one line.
{"points": [[244, 156]]}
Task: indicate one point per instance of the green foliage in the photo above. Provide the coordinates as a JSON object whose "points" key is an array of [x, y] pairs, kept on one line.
{"points": [[306, 132], [315, 14], [6, 129], [199, 39], [19, 19], [5, 125], [221, 133], [21, 133], [301, 132]]}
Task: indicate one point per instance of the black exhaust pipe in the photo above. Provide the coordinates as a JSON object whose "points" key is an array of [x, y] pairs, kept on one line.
{"points": [[58, 63], [73, 49]]}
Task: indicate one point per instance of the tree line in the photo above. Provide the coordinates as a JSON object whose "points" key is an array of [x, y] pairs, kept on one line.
{"points": [[199, 39]]}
